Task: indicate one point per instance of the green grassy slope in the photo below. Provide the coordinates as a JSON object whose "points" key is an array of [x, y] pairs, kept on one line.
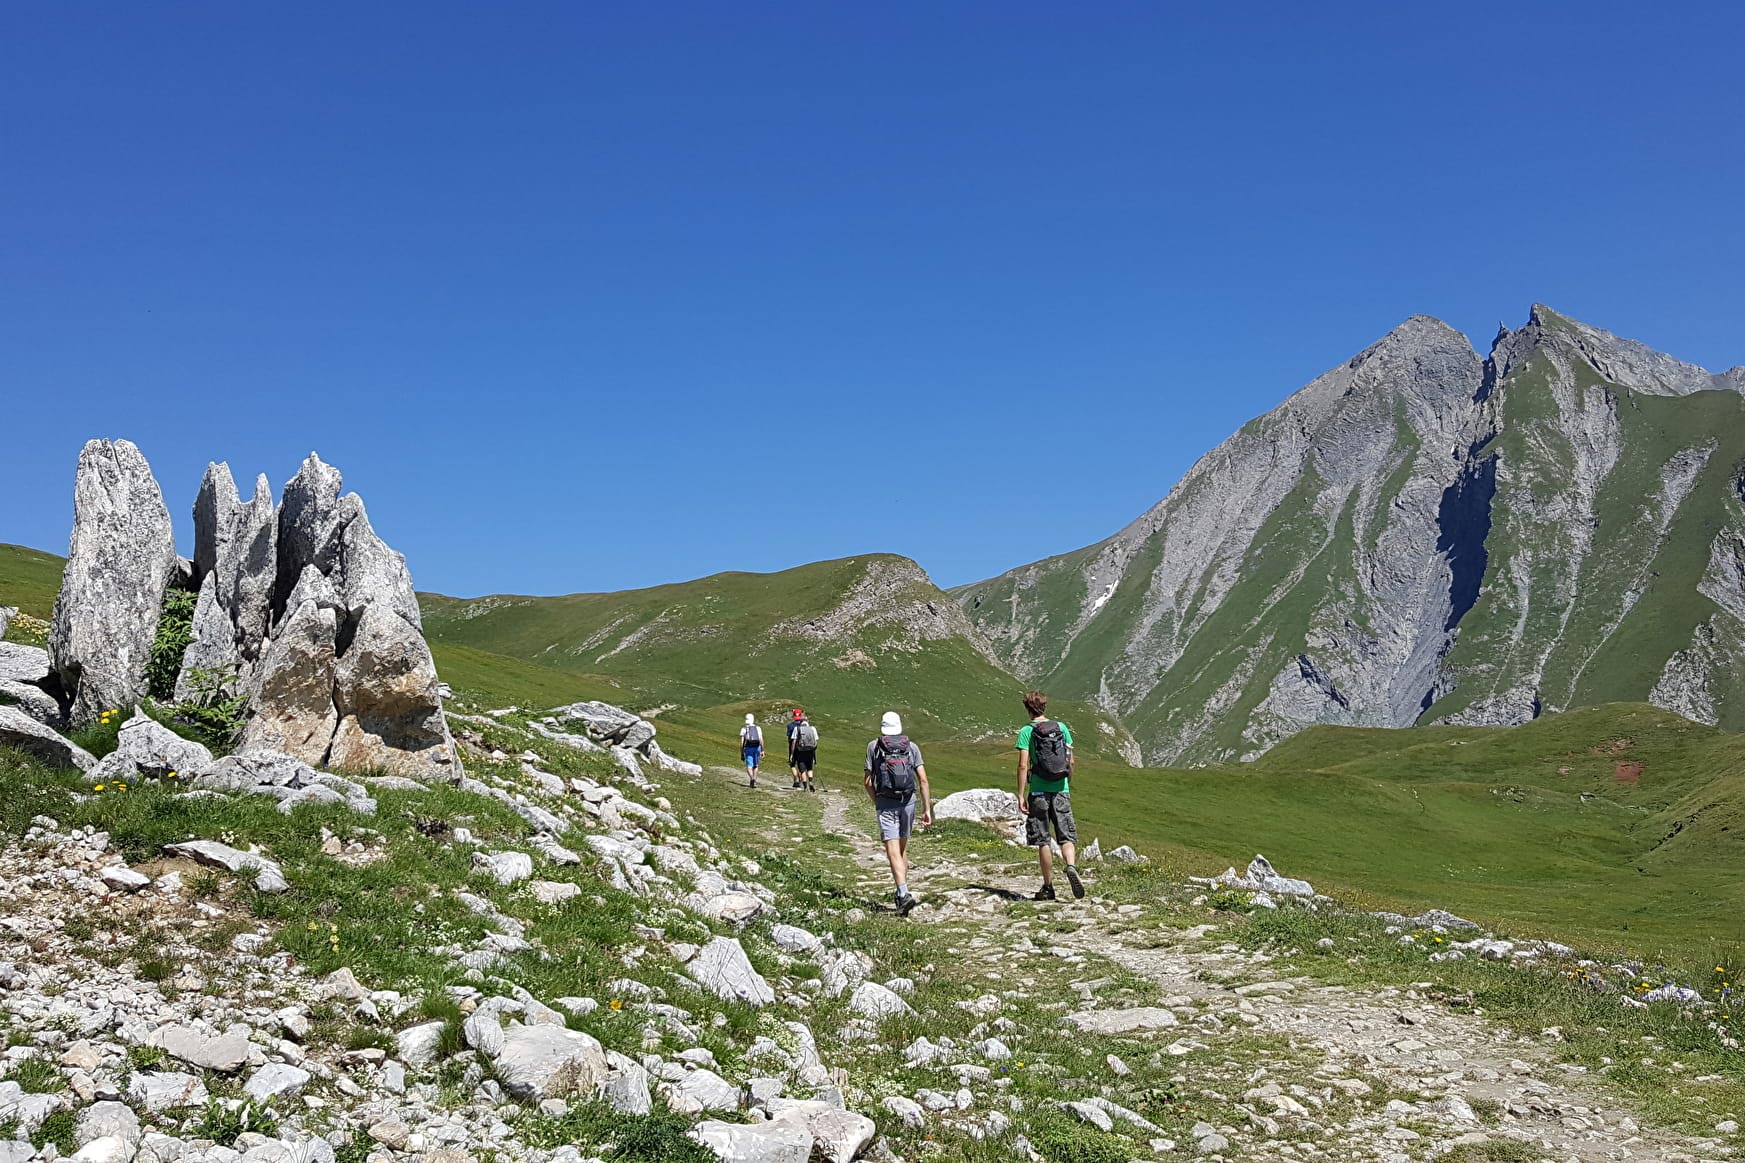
{"points": [[29, 579], [839, 637], [1528, 827]]}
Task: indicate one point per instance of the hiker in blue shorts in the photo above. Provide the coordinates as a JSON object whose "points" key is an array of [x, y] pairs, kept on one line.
{"points": [[751, 747]]}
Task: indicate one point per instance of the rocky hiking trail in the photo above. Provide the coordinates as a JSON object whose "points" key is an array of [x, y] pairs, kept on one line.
{"points": [[585, 948], [1360, 1043]]}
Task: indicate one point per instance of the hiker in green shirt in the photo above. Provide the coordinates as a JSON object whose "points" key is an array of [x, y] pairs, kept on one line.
{"points": [[1045, 766]]}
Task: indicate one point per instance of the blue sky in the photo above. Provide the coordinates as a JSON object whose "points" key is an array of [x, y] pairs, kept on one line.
{"points": [[591, 296]]}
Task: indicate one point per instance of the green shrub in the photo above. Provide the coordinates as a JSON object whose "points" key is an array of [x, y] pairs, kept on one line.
{"points": [[654, 1138], [61, 1129], [213, 713], [222, 1122], [38, 1076], [1059, 1139], [145, 1057], [175, 631]]}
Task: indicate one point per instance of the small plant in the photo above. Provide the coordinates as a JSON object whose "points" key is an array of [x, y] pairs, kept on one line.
{"points": [[155, 969], [1059, 1140], [655, 1138], [354, 1150], [175, 631], [38, 1076], [213, 712], [224, 1120], [61, 1129], [145, 1057]]}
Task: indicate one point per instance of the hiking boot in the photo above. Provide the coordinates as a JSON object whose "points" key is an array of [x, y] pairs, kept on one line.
{"points": [[1045, 893], [754, 781], [905, 903], [796, 783], [1078, 886]]}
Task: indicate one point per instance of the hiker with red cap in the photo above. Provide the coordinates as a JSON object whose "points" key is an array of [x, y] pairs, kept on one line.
{"points": [[802, 749]]}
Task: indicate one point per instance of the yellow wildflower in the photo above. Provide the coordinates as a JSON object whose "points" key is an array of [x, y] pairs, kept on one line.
{"points": [[616, 1004]]}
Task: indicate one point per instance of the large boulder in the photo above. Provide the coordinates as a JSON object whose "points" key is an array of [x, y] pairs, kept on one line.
{"points": [[292, 710], [978, 804], [21, 663], [122, 557], [724, 970], [18, 729], [33, 701], [144, 744], [387, 696], [608, 724], [268, 876], [546, 1061]]}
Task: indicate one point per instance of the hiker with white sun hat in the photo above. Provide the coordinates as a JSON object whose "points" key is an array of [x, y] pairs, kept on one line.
{"points": [[894, 774]]}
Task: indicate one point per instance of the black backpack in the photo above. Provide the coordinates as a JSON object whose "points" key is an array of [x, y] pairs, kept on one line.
{"points": [[894, 767], [1048, 751], [754, 737]]}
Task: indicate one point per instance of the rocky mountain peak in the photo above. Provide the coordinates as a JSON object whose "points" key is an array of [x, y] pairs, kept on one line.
{"points": [[1628, 363], [1339, 560]]}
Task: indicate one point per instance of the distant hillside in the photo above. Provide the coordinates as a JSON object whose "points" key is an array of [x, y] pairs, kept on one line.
{"points": [[1420, 535], [850, 638], [30, 579]]}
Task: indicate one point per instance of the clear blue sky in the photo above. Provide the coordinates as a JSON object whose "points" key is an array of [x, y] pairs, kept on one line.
{"points": [[585, 296]]}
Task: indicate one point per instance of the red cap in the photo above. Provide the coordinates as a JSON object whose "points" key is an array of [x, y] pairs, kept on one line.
{"points": [[798, 713]]}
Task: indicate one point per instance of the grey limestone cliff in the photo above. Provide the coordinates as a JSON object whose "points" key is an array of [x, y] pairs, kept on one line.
{"points": [[1420, 534]]}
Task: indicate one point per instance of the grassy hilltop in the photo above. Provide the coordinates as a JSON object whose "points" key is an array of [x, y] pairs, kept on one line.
{"points": [[848, 639]]}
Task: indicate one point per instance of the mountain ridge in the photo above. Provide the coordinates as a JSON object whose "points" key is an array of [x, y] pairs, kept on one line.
{"points": [[1371, 498]]}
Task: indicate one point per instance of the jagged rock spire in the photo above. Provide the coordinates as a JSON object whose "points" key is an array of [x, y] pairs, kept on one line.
{"points": [[121, 558]]}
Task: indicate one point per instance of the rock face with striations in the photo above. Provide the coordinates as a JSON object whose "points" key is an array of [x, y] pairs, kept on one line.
{"points": [[302, 609], [1419, 535], [346, 677], [236, 559], [121, 559]]}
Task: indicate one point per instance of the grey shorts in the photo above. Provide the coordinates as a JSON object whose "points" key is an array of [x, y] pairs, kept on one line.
{"points": [[1050, 807], [896, 818]]}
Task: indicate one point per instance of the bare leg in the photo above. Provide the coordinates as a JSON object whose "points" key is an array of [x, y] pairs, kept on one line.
{"points": [[1046, 855], [1069, 851], [896, 851]]}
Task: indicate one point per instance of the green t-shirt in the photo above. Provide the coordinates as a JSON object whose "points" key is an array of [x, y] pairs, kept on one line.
{"points": [[1041, 782]]}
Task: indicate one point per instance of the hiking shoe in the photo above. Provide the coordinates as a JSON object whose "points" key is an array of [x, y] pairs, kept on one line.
{"points": [[1045, 893], [1078, 886], [905, 903], [796, 783], [754, 782]]}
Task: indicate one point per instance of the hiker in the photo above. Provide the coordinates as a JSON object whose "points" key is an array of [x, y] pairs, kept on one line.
{"points": [[1045, 767], [751, 746], [802, 750], [894, 773]]}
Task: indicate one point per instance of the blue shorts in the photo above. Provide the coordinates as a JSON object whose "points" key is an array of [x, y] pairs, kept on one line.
{"points": [[753, 755]]}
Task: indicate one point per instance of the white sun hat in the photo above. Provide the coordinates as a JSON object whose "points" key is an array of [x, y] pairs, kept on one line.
{"points": [[891, 724]]}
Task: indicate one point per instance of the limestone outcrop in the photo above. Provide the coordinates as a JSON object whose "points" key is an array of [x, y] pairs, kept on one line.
{"points": [[302, 610], [121, 559]]}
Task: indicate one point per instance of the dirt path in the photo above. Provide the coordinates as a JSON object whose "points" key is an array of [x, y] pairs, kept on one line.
{"points": [[1453, 1062]]}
